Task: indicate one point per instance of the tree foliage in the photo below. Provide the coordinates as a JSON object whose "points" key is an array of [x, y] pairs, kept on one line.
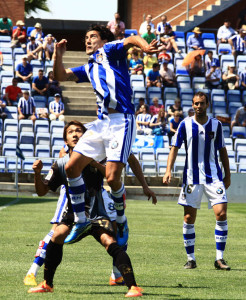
{"points": [[33, 5]]}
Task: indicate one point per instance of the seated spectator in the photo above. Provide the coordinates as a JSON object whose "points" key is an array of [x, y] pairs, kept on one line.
{"points": [[40, 84], [26, 107], [243, 80], [196, 67], [195, 41], [37, 33], [173, 125], [240, 117], [225, 32], [148, 61], [164, 56], [168, 77], [140, 105], [191, 112], [48, 46], [42, 113], [24, 71], [34, 49], [161, 25], [6, 26], [237, 42], [19, 36], [13, 93], [158, 123], [143, 26], [1, 60], [210, 59], [117, 27], [53, 85], [142, 121], [56, 109], [3, 115], [167, 40], [213, 77], [136, 64], [134, 50], [153, 76], [155, 108], [175, 107], [230, 78], [149, 36]]}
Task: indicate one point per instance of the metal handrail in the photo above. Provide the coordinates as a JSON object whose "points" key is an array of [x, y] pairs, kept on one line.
{"points": [[166, 11]]}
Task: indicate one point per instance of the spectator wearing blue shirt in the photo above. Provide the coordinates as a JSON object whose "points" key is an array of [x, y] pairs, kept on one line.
{"points": [[24, 71], [195, 41], [56, 109], [26, 107], [173, 125], [40, 84], [210, 59], [153, 76], [238, 42], [136, 64]]}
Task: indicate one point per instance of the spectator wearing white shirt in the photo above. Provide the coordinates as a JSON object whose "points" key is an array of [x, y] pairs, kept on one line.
{"points": [[213, 77], [210, 59], [34, 49], [142, 121], [26, 107], [161, 25], [225, 32], [143, 26], [56, 109]]}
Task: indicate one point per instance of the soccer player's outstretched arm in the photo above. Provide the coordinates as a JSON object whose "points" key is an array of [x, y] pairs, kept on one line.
{"points": [[170, 162], [41, 188], [226, 166], [136, 40], [137, 170]]}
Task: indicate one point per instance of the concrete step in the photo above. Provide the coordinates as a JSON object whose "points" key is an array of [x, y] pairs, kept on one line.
{"points": [[81, 107], [69, 65], [79, 99], [78, 93], [82, 119], [75, 53], [77, 87], [81, 60]]}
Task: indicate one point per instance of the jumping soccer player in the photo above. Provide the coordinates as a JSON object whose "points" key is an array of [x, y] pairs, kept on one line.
{"points": [[113, 134], [202, 137]]}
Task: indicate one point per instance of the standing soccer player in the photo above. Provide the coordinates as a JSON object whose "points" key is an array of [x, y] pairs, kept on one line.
{"points": [[202, 137], [113, 134]]}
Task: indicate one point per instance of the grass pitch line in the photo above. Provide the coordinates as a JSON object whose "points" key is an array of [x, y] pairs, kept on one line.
{"points": [[10, 203]]}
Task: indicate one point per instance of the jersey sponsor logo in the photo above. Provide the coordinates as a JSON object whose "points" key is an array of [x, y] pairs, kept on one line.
{"points": [[99, 58], [211, 135], [219, 191], [49, 175]]}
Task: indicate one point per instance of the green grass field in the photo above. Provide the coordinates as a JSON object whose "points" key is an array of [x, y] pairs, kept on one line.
{"points": [[155, 247]]}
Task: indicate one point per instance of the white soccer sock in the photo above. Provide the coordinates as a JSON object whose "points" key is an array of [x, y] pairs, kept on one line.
{"points": [[221, 230], [34, 269], [189, 240]]}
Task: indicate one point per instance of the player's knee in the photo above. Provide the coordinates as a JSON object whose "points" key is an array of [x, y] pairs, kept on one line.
{"points": [[189, 219], [221, 216]]}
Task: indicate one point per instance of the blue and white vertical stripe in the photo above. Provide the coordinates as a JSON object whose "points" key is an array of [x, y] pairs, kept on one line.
{"points": [[26, 105], [238, 42], [57, 107], [143, 118]]}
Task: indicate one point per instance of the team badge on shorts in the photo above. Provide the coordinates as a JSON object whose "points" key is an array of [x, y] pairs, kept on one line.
{"points": [[219, 191], [114, 145], [211, 135], [99, 57]]}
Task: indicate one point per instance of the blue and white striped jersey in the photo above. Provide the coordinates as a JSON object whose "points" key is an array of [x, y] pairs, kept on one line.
{"points": [[201, 143], [107, 71], [243, 77], [57, 107], [26, 105], [161, 26], [239, 43], [143, 118]]}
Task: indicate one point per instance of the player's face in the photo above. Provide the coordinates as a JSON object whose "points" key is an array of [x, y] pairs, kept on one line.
{"points": [[74, 133], [200, 106], [93, 42]]}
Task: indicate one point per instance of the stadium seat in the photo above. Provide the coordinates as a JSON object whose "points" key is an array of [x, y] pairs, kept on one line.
{"points": [[186, 94], [26, 126], [48, 66], [234, 96], [238, 131], [135, 152], [43, 138], [179, 36], [29, 30], [57, 127], [181, 156], [1, 125], [178, 168], [198, 83], [165, 141], [2, 164], [162, 154], [226, 131], [181, 46], [27, 165], [218, 95], [244, 97], [11, 165], [139, 92], [129, 172], [6, 74], [218, 110], [27, 150], [40, 101], [147, 154], [27, 138], [241, 157], [181, 71], [19, 51], [170, 93], [208, 36], [178, 59], [41, 126], [10, 137], [11, 111], [228, 144], [36, 65], [240, 145], [129, 32], [168, 103], [24, 86], [55, 151], [8, 65], [224, 49], [225, 61], [233, 167], [231, 156], [149, 168], [233, 106], [47, 163], [137, 80], [9, 150], [242, 168], [241, 62], [154, 91], [42, 151], [57, 139], [184, 82], [161, 168], [5, 39]]}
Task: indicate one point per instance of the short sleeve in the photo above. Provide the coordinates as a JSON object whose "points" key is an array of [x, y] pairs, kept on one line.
{"points": [[80, 73], [179, 135], [115, 50], [220, 136]]}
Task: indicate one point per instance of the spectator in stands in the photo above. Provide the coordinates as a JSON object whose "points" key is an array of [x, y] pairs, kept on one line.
{"points": [[230, 78], [37, 33], [142, 121], [136, 64], [149, 36], [168, 40], [243, 80], [143, 26], [191, 112], [56, 109], [158, 123], [168, 77], [24, 70], [26, 107], [19, 35], [195, 41], [164, 56], [173, 125], [241, 18], [213, 77], [161, 25], [48, 47], [155, 107], [117, 27], [237, 42], [42, 113], [13, 93], [148, 61], [240, 117], [210, 59], [139, 107], [40, 84], [1, 60], [134, 50], [225, 32], [153, 76], [175, 107], [196, 68], [3, 115], [6, 26], [34, 49], [53, 85]]}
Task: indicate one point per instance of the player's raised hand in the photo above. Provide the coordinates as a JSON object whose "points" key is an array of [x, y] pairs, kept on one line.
{"points": [[167, 178], [152, 47], [60, 47], [150, 194], [37, 166]]}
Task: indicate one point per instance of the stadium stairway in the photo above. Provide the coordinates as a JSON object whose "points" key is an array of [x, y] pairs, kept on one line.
{"points": [[79, 99]]}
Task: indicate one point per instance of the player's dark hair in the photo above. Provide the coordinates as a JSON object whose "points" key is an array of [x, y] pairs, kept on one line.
{"points": [[74, 122], [200, 95], [155, 65], [104, 32]]}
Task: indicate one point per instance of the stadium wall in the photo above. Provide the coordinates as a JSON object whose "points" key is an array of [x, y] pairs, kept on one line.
{"points": [[13, 9]]}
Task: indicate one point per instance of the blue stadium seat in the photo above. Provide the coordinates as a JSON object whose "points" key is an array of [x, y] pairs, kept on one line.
{"points": [[218, 95], [137, 80], [24, 86], [26, 126], [43, 138], [40, 101], [224, 49], [36, 65], [8, 65], [27, 150], [184, 82], [10, 137], [18, 51], [218, 110], [170, 93], [55, 151], [181, 156], [162, 154], [154, 91], [9, 150], [5, 39], [241, 62], [27, 138], [47, 163], [238, 131], [186, 94], [226, 131], [57, 139], [179, 36], [11, 165], [228, 144], [42, 151], [6, 74], [242, 168], [168, 103], [233, 106], [234, 96], [139, 92], [198, 83], [27, 165], [161, 168], [244, 97], [209, 36], [129, 32], [135, 152], [57, 127], [241, 157], [2, 164], [29, 30], [209, 45], [178, 59], [11, 111], [181, 46], [149, 168], [147, 154], [48, 66], [233, 167], [181, 71], [225, 61], [178, 168], [41, 126], [240, 144]]}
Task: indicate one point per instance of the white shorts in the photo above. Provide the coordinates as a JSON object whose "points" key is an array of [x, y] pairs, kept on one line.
{"points": [[109, 206], [191, 195], [61, 206], [111, 137]]}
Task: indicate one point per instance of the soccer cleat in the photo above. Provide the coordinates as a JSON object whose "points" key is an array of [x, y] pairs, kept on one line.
{"points": [[43, 287], [122, 233], [221, 264], [30, 279], [134, 291], [116, 281], [77, 231], [191, 264]]}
